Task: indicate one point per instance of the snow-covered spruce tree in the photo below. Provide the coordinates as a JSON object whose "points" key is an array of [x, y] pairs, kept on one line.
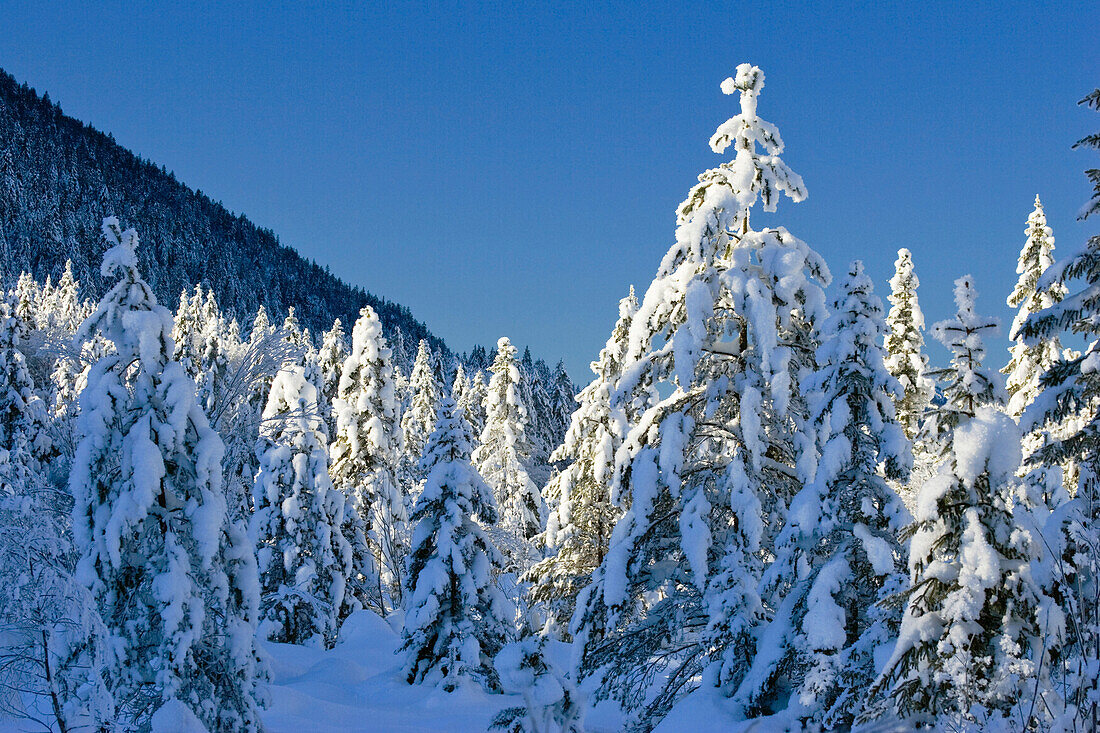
{"points": [[904, 342], [460, 385], [63, 308], [366, 454], [417, 422], [402, 364], [261, 326], [1067, 410], [185, 330], [504, 451], [173, 578], [206, 348], [330, 360], [563, 400], [708, 470], [456, 619], [839, 545], [1028, 363], [305, 560], [70, 309], [26, 298], [218, 344], [292, 330], [536, 401], [65, 312], [966, 384], [360, 571], [442, 367], [473, 402], [977, 623], [582, 515]]}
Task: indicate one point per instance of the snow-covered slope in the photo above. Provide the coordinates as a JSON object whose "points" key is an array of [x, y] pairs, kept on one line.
{"points": [[357, 687]]}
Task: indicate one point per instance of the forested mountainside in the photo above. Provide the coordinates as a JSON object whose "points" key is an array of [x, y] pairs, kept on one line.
{"points": [[59, 177]]}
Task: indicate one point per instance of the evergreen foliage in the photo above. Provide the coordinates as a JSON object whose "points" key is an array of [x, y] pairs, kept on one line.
{"points": [[839, 549], [966, 383], [305, 560], [1030, 362], [582, 514], [173, 578], [366, 454], [729, 325], [904, 342], [456, 619], [977, 622], [504, 453], [1066, 412], [418, 420]]}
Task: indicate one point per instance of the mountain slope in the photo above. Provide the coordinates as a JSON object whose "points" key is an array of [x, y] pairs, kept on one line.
{"points": [[60, 177]]}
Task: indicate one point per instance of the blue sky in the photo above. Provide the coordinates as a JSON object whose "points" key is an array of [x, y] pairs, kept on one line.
{"points": [[512, 168]]}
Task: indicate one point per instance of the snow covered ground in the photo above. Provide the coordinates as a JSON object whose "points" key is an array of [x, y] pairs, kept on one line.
{"points": [[358, 687]]}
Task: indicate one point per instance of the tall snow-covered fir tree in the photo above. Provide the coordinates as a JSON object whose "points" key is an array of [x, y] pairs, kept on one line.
{"points": [[582, 514], [367, 450], [419, 419], [65, 312], [563, 400], [708, 470], [472, 402], [174, 579], [206, 348], [1029, 363], [904, 343], [304, 558], [292, 331], [26, 300], [502, 457], [838, 553], [65, 309], [460, 385], [261, 326], [1066, 410], [541, 433], [330, 360], [186, 328], [456, 619], [966, 384], [220, 346], [977, 623]]}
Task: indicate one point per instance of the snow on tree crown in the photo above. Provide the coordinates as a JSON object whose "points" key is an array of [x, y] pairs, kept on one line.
{"points": [[903, 269], [749, 81], [122, 251], [750, 175]]}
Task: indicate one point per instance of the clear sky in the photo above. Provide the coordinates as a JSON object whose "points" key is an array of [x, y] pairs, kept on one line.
{"points": [[511, 168]]}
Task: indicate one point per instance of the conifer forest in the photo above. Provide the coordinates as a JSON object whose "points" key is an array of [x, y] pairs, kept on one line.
{"points": [[227, 507]]}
